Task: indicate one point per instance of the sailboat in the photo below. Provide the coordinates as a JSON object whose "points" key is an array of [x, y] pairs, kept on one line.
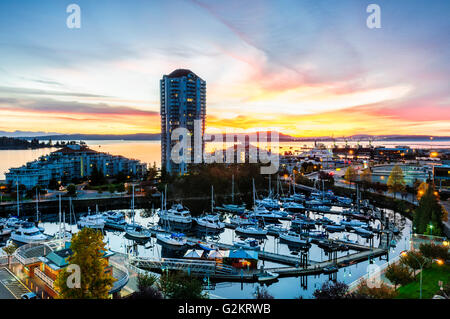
{"points": [[134, 229], [211, 220], [233, 208], [174, 239], [92, 221], [62, 233]]}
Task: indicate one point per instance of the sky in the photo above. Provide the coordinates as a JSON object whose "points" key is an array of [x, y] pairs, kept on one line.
{"points": [[305, 68]]}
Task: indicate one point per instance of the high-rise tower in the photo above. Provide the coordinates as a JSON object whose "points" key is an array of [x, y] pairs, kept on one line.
{"points": [[183, 100]]}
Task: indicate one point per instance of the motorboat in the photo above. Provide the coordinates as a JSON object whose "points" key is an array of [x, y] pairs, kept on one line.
{"points": [[14, 222], [304, 223], [262, 213], [28, 233], [299, 197], [295, 238], [232, 208], [363, 232], [275, 230], [352, 223], [95, 221], [322, 208], [137, 231], [344, 200], [177, 214], [315, 234], [324, 221], [247, 244], [334, 228], [266, 276], [251, 230], [243, 221], [174, 239], [268, 202], [293, 207], [115, 220], [210, 221]]}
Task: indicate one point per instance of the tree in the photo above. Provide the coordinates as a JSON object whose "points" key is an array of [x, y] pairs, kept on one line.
{"points": [[396, 181], [88, 250], [331, 290], [413, 260], [145, 281], [146, 288], [97, 177], [366, 178], [350, 174], [9, 250], [72, 190], [398, 274], [382, 291], [179, 285], [432, 251], [429, 213]]}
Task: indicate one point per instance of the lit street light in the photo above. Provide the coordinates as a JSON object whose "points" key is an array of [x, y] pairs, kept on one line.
{"points": [[404, 254]]}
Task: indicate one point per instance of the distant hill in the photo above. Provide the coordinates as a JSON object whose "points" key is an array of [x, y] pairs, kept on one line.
{"points": [[157, 136], [10, 143]]}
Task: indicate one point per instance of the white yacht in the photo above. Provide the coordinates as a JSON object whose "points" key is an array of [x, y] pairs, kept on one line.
{"points": [[28, 233], [92, 221], [210, 221], [251, 230], [247, 244], [175, 239], [115, 220], [242, 221], [176, 214], [262, 213], [268, 202], [294, 238], [137, 231], [14, 222]]}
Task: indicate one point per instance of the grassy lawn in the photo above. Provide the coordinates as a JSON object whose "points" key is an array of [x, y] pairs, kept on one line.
{"points": [[430, 286]]}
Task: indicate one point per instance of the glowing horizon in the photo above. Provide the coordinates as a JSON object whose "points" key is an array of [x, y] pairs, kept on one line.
{"points": [[301, 69]]}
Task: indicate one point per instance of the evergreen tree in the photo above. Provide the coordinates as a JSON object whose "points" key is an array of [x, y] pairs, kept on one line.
{"points": [[88, 249], [428, 213]]}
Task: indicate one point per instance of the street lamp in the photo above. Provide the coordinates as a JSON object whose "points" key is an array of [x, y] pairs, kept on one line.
{"points": [[404, 254]]}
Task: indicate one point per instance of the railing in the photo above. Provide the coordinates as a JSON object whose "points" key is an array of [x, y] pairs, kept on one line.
{"points": [[195, 266], [376, 274], [44, 277], [120, 282]]}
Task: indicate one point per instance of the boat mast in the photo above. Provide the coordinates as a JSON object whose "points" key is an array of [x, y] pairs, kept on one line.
{"points": [[18, 205], [132, 203], [212, 198], [37, 206], [254, 195], [232, 188], [59, 214]]}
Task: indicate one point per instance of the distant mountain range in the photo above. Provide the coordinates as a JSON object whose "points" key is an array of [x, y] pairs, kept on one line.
{"points": [[157, 136]]}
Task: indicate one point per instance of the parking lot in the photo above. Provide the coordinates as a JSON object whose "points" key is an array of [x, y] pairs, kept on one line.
{"points": [[10, 286]]}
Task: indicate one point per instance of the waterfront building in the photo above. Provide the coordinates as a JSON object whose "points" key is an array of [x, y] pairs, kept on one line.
{"points": [[441, 175], [72, 162], [43, 269], [183, 100]]}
